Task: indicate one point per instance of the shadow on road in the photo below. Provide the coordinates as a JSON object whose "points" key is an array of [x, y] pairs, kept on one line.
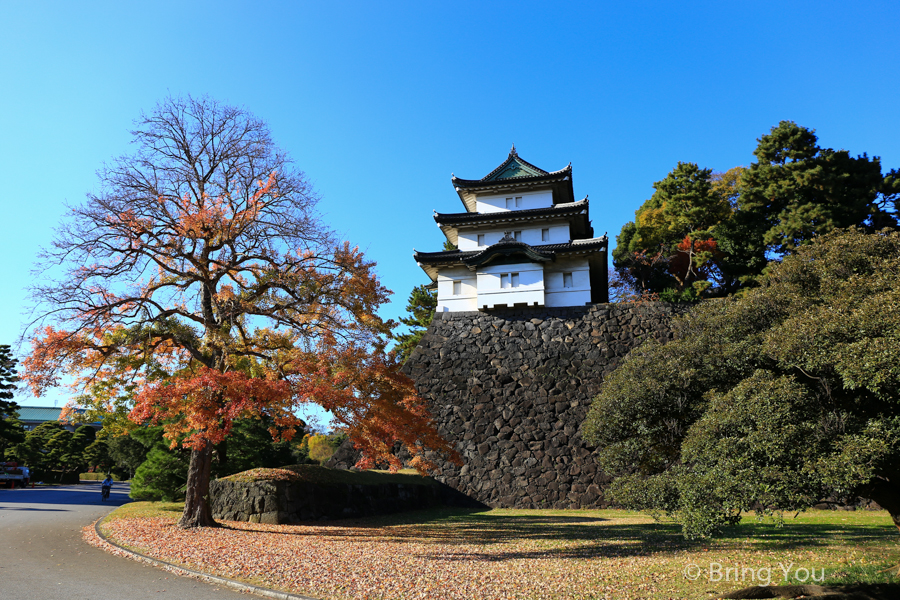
{"points": [[81, 494]]}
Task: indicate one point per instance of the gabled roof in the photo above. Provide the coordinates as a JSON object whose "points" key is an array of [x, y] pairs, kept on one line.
{"points": [[576, 213], [513, 167], [431, 261], [515, 173], [505, 248]]}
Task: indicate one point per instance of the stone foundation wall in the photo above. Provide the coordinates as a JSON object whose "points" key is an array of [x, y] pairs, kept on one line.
{"points": [[277, 502], [511, 388]]}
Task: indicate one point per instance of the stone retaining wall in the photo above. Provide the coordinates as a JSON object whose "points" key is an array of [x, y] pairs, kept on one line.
{"points": [[511, 388], [295, 501]]}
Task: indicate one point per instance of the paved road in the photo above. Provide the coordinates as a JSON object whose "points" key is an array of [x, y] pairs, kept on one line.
{"points": [[43, 557]]}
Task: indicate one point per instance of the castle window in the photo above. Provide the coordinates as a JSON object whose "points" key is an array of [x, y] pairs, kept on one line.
{"points": [[545, 235], [567, 280], [517, 235], [457, 288], [509, 280], [481, 239], [512, 203]]}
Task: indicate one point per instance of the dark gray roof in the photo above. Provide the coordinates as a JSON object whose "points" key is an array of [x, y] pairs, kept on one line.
{"points": [[567, 208], [456, 256]]}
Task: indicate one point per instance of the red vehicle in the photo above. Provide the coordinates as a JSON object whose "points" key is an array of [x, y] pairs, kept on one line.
{"points": [[11, 474]]}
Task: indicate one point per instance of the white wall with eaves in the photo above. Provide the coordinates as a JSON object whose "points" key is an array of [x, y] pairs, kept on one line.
{"points": [[558, 233], [457, 279], [557, 293], [498, 202]]}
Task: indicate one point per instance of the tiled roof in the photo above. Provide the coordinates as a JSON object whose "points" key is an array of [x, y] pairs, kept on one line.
{"points": [[515, 173], [42, 413], [514, 163], [512, 215], [456, 256]]}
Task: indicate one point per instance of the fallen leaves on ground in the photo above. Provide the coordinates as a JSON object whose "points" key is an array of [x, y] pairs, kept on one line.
{"points": [[483, 556]]}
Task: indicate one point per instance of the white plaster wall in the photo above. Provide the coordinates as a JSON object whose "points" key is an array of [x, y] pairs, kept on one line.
{"points": [[530, 290], [466, 300], [577, 295], [468, 239], [497, 203]]}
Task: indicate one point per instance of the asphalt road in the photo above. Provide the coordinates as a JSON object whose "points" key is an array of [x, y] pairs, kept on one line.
{"points": [[43, 556]]}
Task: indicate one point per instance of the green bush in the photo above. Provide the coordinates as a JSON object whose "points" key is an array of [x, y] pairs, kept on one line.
{"points": [[161, 477], [97, 477]]}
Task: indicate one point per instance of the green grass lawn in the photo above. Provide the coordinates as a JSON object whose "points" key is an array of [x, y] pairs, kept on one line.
{"points": [[614, 553]]}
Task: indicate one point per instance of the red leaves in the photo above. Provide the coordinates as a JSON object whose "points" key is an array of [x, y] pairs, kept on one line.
{"points": [[200, 408]]}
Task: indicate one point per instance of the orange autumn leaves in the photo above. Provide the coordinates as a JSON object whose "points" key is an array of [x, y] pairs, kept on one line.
{"points": [[196, 313]]}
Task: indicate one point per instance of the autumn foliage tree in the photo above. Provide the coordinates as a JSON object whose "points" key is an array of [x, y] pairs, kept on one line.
{"points": [[199, 286]]}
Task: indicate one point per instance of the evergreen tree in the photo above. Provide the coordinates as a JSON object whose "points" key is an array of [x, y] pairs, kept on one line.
{"points": [[163, 474], [96, 455], [250, 445], [420, 307], [11, 430], [797, 189], [127, 453], [768, 401]]}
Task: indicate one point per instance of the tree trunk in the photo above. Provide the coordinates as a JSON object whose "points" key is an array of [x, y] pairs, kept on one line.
{"points": [[197, 512]]}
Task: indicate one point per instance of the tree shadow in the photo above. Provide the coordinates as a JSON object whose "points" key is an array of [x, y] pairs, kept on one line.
{"points": [[578, 536]]}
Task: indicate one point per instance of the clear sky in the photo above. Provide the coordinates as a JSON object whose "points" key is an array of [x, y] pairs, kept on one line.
{"points": [[380, 101]]}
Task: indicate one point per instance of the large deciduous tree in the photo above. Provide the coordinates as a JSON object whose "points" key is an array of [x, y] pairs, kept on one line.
{"points": [[773, 400], [199, 284]]}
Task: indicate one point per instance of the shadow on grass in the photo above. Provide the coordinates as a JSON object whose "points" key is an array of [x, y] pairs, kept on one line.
{"points": [[578, 536]]}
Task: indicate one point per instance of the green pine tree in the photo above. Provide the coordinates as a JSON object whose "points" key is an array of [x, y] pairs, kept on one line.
{"points": [[420, 307], [11, 430]]}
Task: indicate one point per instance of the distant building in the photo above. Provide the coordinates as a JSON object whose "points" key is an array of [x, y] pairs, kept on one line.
{"points": [[523, 241], [32, 416]]}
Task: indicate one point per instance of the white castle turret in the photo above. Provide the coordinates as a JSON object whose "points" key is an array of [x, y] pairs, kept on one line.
{"points": [[523, 241]]}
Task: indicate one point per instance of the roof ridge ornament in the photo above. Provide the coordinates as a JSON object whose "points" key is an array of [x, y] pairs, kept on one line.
{"points": [[513, 151]]}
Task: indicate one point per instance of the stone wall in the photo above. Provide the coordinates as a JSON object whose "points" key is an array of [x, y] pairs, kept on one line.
{"points": [[295, 501], [512, 387]]}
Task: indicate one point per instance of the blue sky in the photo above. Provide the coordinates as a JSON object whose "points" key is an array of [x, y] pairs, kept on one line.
{"points": [[380, 101]]}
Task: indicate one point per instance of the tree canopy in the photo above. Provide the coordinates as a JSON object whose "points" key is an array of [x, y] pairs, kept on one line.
{"points": [[707, 234], [199, 286], [773, 400]]}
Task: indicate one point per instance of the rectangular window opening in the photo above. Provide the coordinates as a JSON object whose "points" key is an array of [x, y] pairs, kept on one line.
{"points": [[517, 235], [567, 280], [545, 235], [514, 277], [457, 288], [481, 239], [504, 280]]}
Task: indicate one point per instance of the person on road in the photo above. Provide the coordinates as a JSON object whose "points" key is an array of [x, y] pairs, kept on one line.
{"points": [[26, 476], [105, 486]]}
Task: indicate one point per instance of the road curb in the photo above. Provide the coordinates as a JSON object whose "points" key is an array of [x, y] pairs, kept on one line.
{"points": [[183, 572]]}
